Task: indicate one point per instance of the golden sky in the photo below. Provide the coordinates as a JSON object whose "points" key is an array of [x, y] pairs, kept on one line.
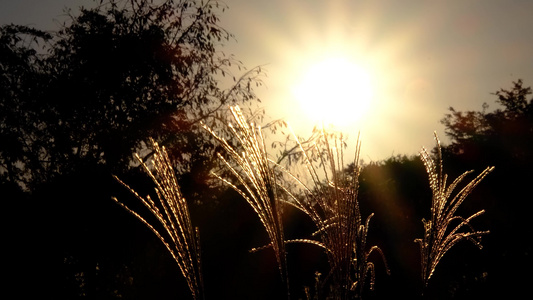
{"points": [[419, 57], [422, 57]]}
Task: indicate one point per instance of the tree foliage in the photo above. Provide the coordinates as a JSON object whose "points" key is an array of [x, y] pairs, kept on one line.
{"points": [[21, 77], [109, 79], [506, 131], [502, 137]]}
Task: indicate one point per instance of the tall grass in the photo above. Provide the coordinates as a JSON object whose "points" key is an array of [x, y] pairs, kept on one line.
{"points": [[439, 233], [331, 201], [332, 205], [329, 197], [256, 181], [180, 238]]}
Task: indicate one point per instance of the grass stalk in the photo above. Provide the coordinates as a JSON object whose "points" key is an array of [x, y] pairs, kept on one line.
{"points": [[256, 181], [439, 233], [178, 235], [333, 206]]}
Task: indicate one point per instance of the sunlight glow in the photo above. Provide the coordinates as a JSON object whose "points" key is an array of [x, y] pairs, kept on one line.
{"points": [[334, 91], [342, 63]]}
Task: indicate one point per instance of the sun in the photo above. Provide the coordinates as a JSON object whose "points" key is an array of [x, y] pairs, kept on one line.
{"points": [[334, 91]]}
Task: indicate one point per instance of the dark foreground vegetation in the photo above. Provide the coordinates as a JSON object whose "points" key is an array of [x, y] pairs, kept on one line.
{"points": [[77, 103]]}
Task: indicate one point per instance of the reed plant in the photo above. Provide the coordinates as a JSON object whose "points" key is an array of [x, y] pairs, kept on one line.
{"points": [[256, 181], [445, 229], [331, 201], [180, 238], [329, 197]]}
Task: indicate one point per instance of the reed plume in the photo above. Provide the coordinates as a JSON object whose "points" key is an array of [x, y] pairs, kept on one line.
{"points": [[256, 180], [439, 235], [180, 238], [333, 206]]}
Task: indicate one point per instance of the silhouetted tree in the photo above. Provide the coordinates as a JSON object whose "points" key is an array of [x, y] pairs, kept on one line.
{"points": [[75, 105], [21, 81], [503, 138], [112, 77], [503, 134]]}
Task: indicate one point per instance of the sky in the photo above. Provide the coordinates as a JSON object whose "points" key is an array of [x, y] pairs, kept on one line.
{"points": [[418, 57]]}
